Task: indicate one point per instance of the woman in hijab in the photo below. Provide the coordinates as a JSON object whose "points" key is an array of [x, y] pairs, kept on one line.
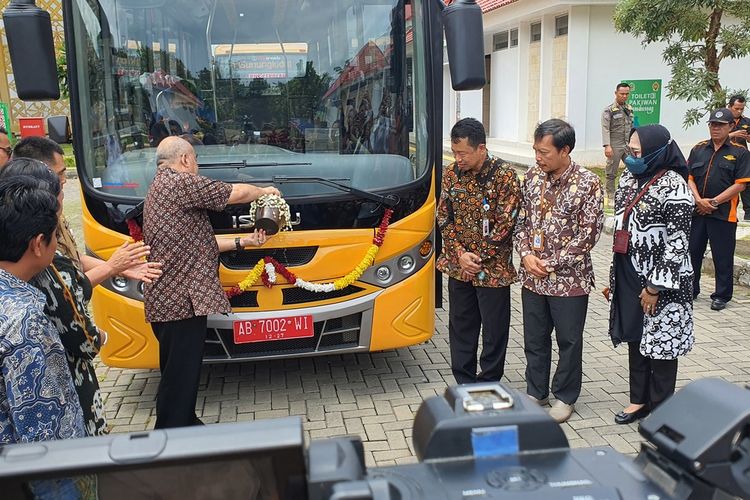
{"points": [[651, 278]]}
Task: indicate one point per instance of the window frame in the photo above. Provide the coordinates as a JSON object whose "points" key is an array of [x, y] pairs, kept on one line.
{"points": [[532, 35], [513, 42], [497, 41]]}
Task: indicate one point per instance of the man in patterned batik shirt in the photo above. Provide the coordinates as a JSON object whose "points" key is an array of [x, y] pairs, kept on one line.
{"points": [[559, 223], [478, 206], [37, 398]]}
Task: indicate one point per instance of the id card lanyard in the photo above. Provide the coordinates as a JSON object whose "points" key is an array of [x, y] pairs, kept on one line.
{"points": [[537, 235]]}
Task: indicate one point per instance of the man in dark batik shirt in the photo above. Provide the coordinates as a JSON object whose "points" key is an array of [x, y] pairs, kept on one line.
{"points": [[478, 205]]}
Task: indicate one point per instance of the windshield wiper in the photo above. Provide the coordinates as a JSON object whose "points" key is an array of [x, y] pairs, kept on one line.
{"points": [[389, 200], [246, 164]]}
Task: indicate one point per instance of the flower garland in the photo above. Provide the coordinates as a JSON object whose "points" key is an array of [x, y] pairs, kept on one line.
{"points": [[268, 268], [134, 230]]}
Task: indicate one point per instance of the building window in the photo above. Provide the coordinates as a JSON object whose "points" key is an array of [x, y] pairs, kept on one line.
{"points": [[500, 40], [514, 37], [536, 32], [561, 25]]}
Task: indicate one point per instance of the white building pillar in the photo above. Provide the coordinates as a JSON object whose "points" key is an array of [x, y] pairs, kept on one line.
{"points": [[523, 80], [578, 71], [471, 104], [545, 75]]}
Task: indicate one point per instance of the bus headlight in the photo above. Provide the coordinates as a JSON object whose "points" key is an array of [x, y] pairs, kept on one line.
{"points": [[406, 264], [383, 274], [401, 266], [120, 283]]}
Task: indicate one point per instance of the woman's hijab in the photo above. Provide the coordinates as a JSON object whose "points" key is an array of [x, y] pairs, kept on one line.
{"points": [[660, 151]]}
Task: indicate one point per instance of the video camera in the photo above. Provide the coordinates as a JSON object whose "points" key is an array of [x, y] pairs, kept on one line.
{"points": [[477, 441]]}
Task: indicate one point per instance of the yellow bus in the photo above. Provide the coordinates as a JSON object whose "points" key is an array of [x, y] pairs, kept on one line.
{"points": [[336, 102]]}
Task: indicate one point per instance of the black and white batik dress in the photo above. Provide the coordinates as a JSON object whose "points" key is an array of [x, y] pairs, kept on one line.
{"points": [[658, 256]]}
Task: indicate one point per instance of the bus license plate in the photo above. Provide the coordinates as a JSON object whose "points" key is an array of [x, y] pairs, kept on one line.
{"points": [[264, 330]]}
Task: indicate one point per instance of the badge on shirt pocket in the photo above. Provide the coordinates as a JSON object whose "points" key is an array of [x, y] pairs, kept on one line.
{"points": [[537, 240]]}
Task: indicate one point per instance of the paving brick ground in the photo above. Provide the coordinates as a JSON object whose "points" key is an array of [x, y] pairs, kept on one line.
{"points": [[376, 395]]}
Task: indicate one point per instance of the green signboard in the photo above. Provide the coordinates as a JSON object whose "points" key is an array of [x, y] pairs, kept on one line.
{"points": [[645, 97], [5, 119]]}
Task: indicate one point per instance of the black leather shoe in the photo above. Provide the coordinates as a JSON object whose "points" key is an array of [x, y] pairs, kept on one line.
{"points": [[718, 304], [628, 418]]}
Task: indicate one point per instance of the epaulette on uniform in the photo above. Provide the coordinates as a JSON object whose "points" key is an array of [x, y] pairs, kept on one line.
{"points": [[702, 143]]}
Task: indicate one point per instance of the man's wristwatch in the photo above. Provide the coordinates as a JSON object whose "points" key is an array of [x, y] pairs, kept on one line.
{"points": [[237, 243], [713, 203]]}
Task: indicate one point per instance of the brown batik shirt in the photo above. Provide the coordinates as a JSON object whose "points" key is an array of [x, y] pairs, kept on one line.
{"points": [[466, 201], [570, 218], [176, 226]]}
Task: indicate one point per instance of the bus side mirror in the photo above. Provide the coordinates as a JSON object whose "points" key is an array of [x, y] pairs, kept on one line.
{"points": [[32, 51], [464, 37]]}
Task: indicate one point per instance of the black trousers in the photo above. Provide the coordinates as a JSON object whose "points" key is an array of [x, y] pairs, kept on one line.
{"points": [[471, 308], [723, 238], [180, 359], [651, 380], [567, 316]]}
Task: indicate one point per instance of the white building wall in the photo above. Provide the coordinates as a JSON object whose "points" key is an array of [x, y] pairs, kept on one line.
{"points": [[598, 59], [504, 94], [614, 57], [471, 104]]}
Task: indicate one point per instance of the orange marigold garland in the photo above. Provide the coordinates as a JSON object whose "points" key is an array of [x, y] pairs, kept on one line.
{"points": [[267, 268]]}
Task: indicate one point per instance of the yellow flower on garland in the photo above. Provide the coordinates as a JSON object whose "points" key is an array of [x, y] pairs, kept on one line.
{"points": [[253, 277], [356, 273]]}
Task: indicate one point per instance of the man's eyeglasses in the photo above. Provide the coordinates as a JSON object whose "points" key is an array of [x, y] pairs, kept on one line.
{"points": [[8, 150]]}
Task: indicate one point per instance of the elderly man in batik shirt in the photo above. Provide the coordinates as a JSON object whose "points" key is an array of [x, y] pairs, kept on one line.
{"points": [[560, 222], [478, 205]]}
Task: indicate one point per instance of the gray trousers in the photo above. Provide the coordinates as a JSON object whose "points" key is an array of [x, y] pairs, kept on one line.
{"points": [[613, 164]]}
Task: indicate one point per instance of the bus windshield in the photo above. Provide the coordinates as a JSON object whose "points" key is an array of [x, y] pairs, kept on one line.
{"points": [[266, 87]]}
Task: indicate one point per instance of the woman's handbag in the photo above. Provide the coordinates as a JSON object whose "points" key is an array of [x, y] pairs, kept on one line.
{"points": [[621, 240]]}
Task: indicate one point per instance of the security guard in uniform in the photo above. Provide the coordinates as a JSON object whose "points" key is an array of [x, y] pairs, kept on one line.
{"points": [[617, 121], [739, 134], [719, 172]]}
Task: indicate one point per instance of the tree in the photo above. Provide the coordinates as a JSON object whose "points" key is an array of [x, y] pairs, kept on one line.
{"points": [[62, 72], [699, 35]]}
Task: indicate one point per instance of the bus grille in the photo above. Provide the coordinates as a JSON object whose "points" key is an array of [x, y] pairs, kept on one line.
{"points": [[300, 295], [246, 259], [245, 299], [331, 334]]}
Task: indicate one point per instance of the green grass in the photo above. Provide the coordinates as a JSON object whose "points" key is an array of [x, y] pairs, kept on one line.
{"points": [[70, 160]]}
